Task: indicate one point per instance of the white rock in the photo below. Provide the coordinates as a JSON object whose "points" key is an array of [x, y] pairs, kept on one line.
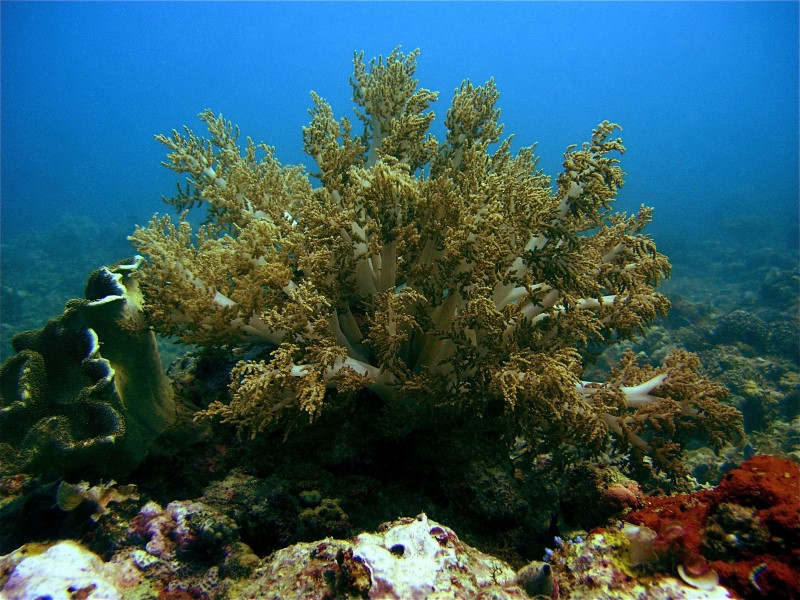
{"points": [[59, 573], [419, 558]]}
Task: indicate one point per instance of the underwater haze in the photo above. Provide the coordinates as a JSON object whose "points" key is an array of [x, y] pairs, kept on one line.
{"points": [[706, 93], [404, 366]]}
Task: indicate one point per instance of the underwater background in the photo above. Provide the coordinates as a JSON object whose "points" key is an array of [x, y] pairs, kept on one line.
{"points": [[707, 97], [706, 93]]}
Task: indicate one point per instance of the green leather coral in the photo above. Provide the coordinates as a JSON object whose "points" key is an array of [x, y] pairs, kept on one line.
{"points": [[430, 272], [86, 393]]}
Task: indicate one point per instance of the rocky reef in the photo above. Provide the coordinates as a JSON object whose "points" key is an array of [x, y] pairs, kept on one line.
{"points": [[737, 540], [428, 327]]}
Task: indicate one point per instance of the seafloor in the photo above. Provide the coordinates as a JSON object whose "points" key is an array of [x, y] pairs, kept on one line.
{"points": [[211, 516]]}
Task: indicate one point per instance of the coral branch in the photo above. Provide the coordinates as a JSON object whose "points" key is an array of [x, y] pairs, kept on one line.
{"points": [[451, 268]]}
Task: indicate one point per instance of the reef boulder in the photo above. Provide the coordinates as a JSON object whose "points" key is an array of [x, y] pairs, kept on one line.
{"points": [[408, 558], [61, 571]]}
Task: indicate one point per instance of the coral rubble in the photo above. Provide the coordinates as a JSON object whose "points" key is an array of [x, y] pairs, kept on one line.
{"points": [[405, 559]]}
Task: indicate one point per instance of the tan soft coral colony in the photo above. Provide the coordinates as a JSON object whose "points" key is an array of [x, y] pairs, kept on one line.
{"points": [[440, 272]]}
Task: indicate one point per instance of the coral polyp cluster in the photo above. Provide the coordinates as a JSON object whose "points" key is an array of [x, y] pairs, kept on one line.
{"points": [[430, 272]]}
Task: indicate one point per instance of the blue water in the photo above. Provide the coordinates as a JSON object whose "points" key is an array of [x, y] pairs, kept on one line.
{"points": [[707, 93]]}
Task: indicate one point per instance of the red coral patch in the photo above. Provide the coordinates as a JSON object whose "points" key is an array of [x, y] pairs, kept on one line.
{"points": [[769, 485]]}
